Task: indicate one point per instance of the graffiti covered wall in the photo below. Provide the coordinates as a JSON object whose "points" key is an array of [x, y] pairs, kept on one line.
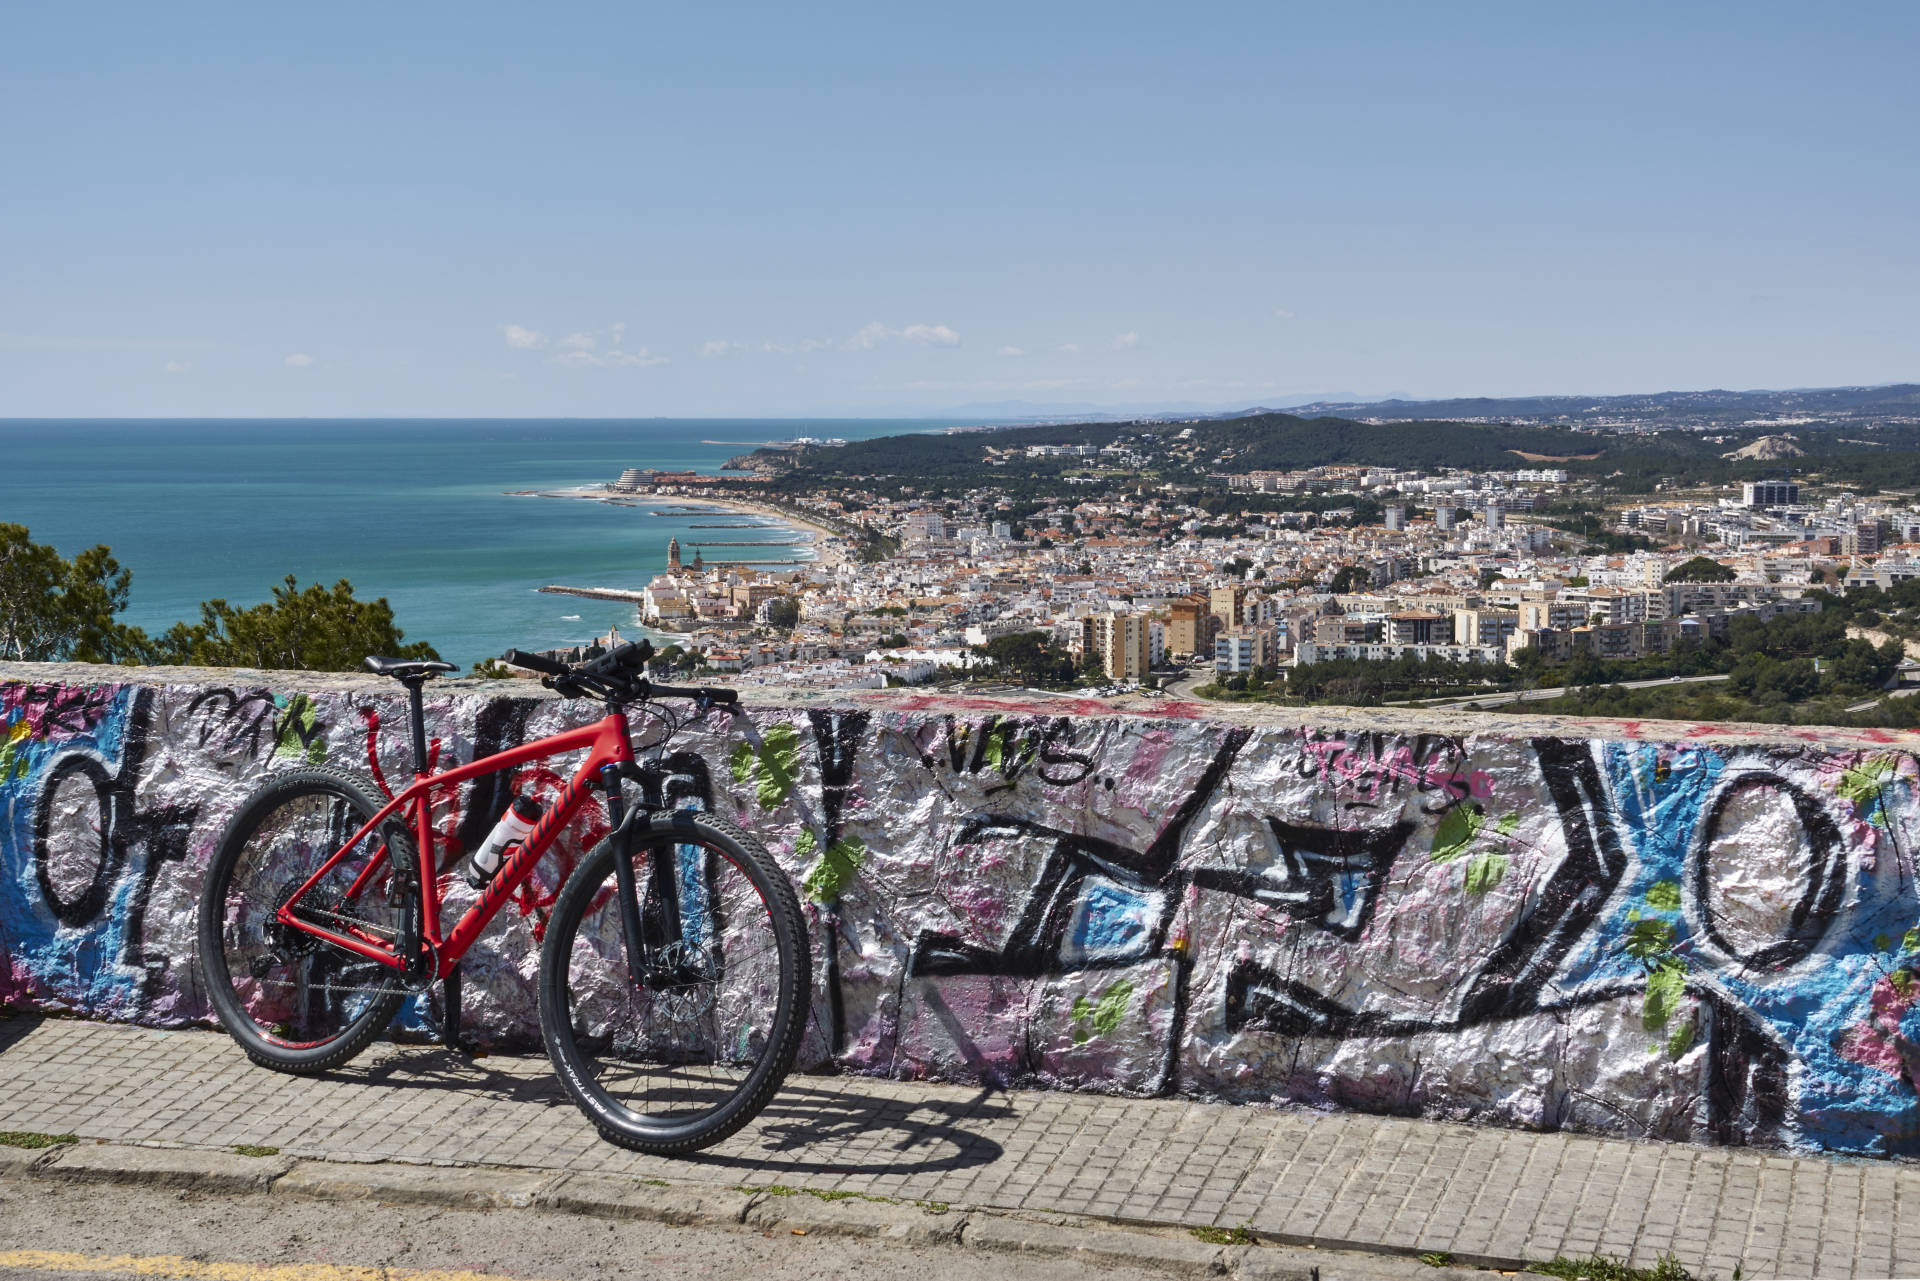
{"points": [[1705, 933]]}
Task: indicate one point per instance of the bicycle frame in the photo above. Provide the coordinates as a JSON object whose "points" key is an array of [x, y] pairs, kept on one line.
{"points": [[609, 748]]}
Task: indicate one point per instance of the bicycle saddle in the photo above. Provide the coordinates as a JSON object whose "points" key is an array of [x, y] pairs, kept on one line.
{"points": [[408, 669]]}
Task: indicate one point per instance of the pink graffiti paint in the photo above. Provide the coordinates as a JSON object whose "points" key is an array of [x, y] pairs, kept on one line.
{"points": [[56, 712], [1875, 1041], [1340, 765]]}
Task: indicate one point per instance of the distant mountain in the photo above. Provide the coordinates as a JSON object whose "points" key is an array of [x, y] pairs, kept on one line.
{"points": [[1898, 402]]}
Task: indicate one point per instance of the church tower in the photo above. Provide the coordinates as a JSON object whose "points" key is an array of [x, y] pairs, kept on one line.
{"points": [[673, 554]]}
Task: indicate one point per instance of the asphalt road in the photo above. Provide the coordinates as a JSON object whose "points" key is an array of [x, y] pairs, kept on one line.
{"points": [[73, 1231], [1558, 691]]}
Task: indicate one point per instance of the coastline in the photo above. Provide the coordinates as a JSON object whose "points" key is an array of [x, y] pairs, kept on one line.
{"points": [[822, 542]]}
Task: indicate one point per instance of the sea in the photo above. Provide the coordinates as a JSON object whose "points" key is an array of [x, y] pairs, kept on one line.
{"points": [[426, 513]]}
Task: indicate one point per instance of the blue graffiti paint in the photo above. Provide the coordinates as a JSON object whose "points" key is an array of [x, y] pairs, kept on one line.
{"points": [[1112, 920], [1815, 1007], [1658, 796], [692, 889], [74, 966]]}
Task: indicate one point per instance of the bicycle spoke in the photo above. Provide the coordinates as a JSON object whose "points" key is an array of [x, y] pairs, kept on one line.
{"points": [[681, 1038], [294, 988]]}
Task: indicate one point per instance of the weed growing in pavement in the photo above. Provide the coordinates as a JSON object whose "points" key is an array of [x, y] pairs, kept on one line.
{"points": [[1437, 1259], [254, 1149], [655, 1183], [1599, 1268], [781, 1189], [34, 1139], [1223, 1236]]}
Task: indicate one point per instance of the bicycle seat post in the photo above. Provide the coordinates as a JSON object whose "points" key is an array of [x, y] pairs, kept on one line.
{"points": [[417, 722]]}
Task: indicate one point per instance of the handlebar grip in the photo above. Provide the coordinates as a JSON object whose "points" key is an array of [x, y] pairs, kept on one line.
{"points": [[534, 663], [630, 657]]}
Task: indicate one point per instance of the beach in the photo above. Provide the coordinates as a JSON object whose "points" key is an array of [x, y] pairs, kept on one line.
{"points": [[822, 545]]}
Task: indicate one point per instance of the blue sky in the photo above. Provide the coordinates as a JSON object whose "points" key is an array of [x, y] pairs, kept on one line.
{"points": [[733, 209]]}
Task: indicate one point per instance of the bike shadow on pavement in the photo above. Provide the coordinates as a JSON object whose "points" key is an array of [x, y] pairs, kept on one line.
{"points": [[808, 1130], [427, 1067], [805, 1129], [16, 1027]]}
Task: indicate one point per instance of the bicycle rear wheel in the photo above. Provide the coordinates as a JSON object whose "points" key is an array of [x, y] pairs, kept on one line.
{"points": [[687, 1050], [292, 1001]]}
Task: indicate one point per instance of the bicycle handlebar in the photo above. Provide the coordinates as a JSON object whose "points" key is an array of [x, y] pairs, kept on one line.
{"points": [[534, 663], [620, 672]]}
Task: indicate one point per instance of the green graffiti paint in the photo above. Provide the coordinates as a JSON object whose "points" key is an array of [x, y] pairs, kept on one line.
{"points": [[1457, 829], [1103, 1014], [1664, 895], [830, 873], [1486, 870], [773, 770], [300, 734], [1665, 986]]}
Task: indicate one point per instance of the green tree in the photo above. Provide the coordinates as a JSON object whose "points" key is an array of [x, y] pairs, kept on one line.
{"points": [[53, 609], [1701, 569], [783, 612], [1032, 657], [312, 629], [1349, 578]]}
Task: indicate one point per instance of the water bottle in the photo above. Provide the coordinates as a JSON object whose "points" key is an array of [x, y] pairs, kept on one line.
{"points": [[514, 825]]}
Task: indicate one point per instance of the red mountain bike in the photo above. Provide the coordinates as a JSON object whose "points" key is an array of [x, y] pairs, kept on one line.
{"points": [[674, 976]]}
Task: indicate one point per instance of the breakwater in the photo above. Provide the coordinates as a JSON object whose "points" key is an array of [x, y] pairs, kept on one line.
{"points": [[1680, 932]]}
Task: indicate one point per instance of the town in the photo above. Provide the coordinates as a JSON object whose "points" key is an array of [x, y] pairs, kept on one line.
{"points": [[1110, 583]]}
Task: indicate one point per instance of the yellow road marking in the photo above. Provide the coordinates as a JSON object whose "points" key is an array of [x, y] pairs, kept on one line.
{"points": [[173, 1265]]}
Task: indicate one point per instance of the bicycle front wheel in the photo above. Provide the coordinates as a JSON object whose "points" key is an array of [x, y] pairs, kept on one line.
{"points": [[677, 1048]]}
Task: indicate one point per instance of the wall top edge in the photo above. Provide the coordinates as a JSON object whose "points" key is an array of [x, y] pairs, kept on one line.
{"points": [[1387, 720]]}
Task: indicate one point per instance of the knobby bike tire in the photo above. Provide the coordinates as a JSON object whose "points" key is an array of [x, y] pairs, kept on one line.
{"points": [[386, 995], [616, 1122]]}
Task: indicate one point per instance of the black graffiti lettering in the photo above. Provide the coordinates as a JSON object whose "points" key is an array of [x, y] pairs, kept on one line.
{"points": [[500, 726], [1034, 946], [1059, 765], [1315, 861], [836, 741], [161, 833], [1821, 885], [235, 718], [1570, 901], [66, 710]]}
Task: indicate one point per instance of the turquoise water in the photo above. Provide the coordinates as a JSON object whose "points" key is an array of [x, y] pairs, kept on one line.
{"points": [[413, 510]]}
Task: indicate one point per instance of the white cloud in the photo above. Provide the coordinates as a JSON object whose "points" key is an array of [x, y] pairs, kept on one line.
{"points": [[1070, 348], [178, 366], [872, 335], [869, 337], [619, 332], [1127, 341], [1281, 313], [523, 339], [793, 348], [719, 347], [931, 335], [581, 359], [299, 360], [1010, 350], [582, 342]]}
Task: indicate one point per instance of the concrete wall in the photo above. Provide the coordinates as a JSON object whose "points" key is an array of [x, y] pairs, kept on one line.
{"points": [[1685, 932]]}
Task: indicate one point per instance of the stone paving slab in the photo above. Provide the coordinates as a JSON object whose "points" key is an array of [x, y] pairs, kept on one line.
{"points": [[1343, 1181]]}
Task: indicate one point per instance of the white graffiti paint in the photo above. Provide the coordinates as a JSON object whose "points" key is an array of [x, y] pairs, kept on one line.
{"points": [[1599, 930]]}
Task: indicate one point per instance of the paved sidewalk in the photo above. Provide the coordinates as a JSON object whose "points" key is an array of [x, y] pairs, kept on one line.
{"points": [[1496, 1197]]}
